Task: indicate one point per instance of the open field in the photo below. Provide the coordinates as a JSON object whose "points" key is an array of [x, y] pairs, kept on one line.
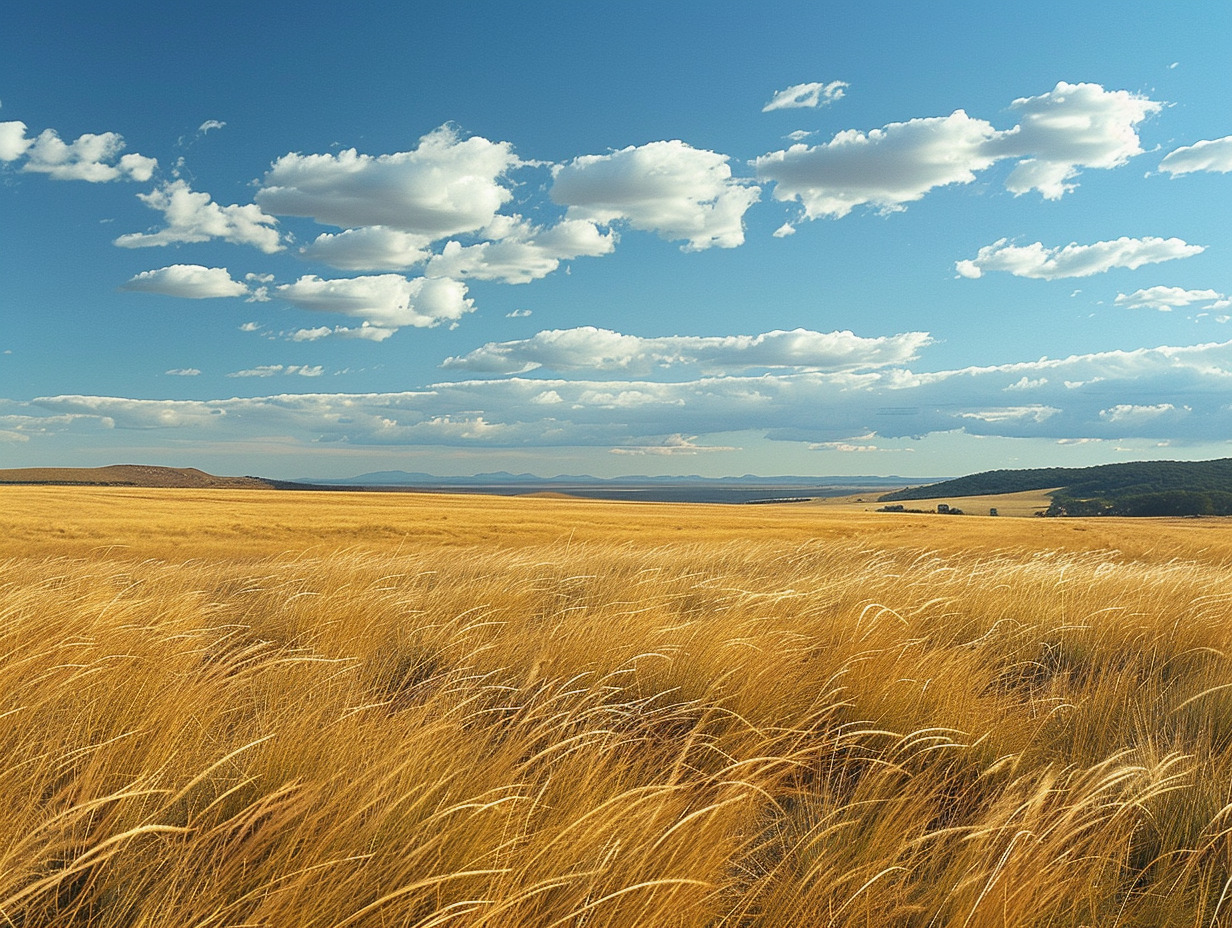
{"points": [[225, 708], [1018, 505]]}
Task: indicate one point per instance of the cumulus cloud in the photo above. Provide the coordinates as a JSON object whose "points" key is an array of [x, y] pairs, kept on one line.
{"points": [[884, 168], [13, 141], [386, 301], [857, 445], [370, 248], [92, 157], [671, 445], [445, 186], [190, 281], [1071, 127], [806, 96], [191, 216], [1074, 260], [1129, 413], [1213, 155], [111, 412], [270, 370], [669, 188], [1165, 298], [1174, 394], [366, 331], [1002, 414], [521, 252], [595, 349], [1026, 383]]}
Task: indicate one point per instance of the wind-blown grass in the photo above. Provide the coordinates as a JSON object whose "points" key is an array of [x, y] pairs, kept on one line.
{"points": [[606, 731]]}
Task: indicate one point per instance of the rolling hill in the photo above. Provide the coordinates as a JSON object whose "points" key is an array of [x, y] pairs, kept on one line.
{"points": [[127, 475], [1139, 488]]}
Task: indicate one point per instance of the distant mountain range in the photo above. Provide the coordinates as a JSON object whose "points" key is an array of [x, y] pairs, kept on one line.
{"points": [[690, 488], [402, 478], [1139, 488]]}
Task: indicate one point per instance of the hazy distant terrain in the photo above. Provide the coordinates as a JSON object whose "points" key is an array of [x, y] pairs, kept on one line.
{"points": [[747, 488], [645, 488], [126, 475]]}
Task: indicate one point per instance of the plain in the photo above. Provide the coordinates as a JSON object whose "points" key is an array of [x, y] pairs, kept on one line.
{"points": [[225, 708]]}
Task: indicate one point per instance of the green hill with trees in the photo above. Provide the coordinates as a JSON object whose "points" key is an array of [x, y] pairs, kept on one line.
{"points": [[1139, 488]]}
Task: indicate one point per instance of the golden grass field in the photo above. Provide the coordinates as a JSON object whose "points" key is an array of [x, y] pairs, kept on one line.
{"points": [[253, 708]]}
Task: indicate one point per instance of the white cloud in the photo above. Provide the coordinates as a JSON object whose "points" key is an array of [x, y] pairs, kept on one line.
{"points": [[190, 281], [1213, 155], [210, 124], [195, 217], [1026, 383], [669, 188], [999, 414], [183, 372], [521, 252], [270, 370], [446, 186], [92, 157], [370, 248], [366, 331], [1173, 394], [387, 301], [884, 168], [260, 287], [1073, 126], [1127, 412], [1165, 298], [13, 141], [671, 445], [595, 349], [784, 230], [1074, 260], [111, 412], [806, 96], [851, 447], [518, 314]]}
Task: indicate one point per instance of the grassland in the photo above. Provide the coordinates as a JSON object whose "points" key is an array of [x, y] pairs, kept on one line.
{"points": [[241, 708], [1025, 503]]}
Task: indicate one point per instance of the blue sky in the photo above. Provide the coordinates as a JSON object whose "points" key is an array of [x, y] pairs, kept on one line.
{"points": [[903, 238]]}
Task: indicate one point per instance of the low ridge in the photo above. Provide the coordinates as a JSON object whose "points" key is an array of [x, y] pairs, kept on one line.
{"points": [[127, 475]]}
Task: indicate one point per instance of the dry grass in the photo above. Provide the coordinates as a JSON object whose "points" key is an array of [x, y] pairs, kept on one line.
{"points": [[240, 709], [1022, 504]]}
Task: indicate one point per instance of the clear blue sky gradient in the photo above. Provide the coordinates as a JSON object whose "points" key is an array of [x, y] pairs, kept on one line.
{"points": [[640, 351]]}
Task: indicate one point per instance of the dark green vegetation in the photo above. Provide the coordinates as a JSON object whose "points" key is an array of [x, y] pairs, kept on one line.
{"points": [[1140, 488]]}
